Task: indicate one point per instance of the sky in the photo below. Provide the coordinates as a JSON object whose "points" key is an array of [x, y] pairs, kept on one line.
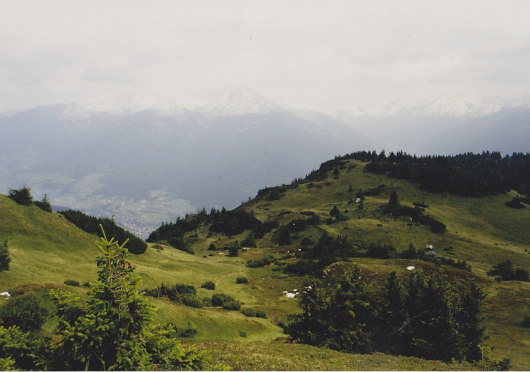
{"points": [[320, 55]]}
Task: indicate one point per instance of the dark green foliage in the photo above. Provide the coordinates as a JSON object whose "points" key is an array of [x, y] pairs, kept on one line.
{"points": [[505, 271], [526, 321], [304, 267], [191, 300], [208, 285], [334, 212], [416, 215], [21, 196], [233, 250], [334, 315], [249, 241], [264, 228], [232, 305], [91, 225], [44, 204], [301, 224], [306, 242], [283, 236], [113, 330], [465, 174], [26, 312], [261, 261], [322, 172], [21, 350], [211, 247], [178, 243], [4, 257], [254, 313], [70, 282], [515, 203], [241, 280], [234, 222], [329, 249], [423, 317], [393, 201], [221, 299]]}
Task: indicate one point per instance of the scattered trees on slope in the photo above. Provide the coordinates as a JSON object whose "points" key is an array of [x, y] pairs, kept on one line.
{"points": [[91, 225], [423, 317]]}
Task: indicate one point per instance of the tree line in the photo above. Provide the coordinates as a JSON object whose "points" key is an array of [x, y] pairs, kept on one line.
{"points": [[464, 174], [91, 225]]}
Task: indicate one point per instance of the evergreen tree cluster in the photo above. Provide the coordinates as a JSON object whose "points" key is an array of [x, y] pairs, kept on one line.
{"points": [[4, 257], [505, 271], [92, 224], [222, 221], [112, 330], [420, 316], [23, 197], [465, 174]]}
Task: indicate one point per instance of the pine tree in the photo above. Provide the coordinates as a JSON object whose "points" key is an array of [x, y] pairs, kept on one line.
{"points": [[4, 257]]}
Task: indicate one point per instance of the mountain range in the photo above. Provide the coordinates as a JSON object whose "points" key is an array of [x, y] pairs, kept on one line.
{"points": [[145, 167]]}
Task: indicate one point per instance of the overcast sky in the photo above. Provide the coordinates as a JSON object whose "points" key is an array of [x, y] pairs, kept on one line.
{"points": [[310, 54]]}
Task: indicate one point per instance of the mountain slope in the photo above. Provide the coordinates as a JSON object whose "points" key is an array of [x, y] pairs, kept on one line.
{"points": [[149, 166]]}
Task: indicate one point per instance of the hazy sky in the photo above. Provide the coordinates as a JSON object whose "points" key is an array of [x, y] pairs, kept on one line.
{"points": [[310, 54]]}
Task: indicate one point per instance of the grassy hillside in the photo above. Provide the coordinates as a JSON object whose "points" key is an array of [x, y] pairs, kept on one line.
{"points": [[46, 249]]}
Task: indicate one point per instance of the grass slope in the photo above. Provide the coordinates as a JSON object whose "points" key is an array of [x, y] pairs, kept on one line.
{"points": [[45, 248]]}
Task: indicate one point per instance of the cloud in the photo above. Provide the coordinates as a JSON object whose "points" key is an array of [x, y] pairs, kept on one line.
{"points": [[312, 54]]}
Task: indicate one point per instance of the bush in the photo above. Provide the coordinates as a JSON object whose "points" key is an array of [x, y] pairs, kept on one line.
{"points": [[283, 236], [20, 351], [233, 251], [254, 313], [4, 257], [191, 300], [212, 247], [249, 241], [179, 244], [232, 305], [208, 285], [25, 311], [44, 204], [219, 299], [241, 280], [72, 283], [526, 321], [261, 261], [21, 196]]}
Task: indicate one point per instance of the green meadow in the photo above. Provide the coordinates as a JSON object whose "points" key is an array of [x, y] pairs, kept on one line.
{"points": [[46, 250]]}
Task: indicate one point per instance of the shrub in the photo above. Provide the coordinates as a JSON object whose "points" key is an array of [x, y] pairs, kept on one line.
{"points": [[44, 204], [283, 236], [233, 251], [25, 311], [4, 257], [191, 300], [208, 285], [19, 350], [219, 299], [212, 247], [249, 241], [241, 280], [21, 196], [232, 305], [249, 312], [178, 243], [261, 261], [72, 283], [526, 321], [254, 313]]}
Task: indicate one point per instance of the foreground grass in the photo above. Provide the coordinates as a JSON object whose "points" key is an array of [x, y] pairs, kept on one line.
{"points": [[279, 356]]}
